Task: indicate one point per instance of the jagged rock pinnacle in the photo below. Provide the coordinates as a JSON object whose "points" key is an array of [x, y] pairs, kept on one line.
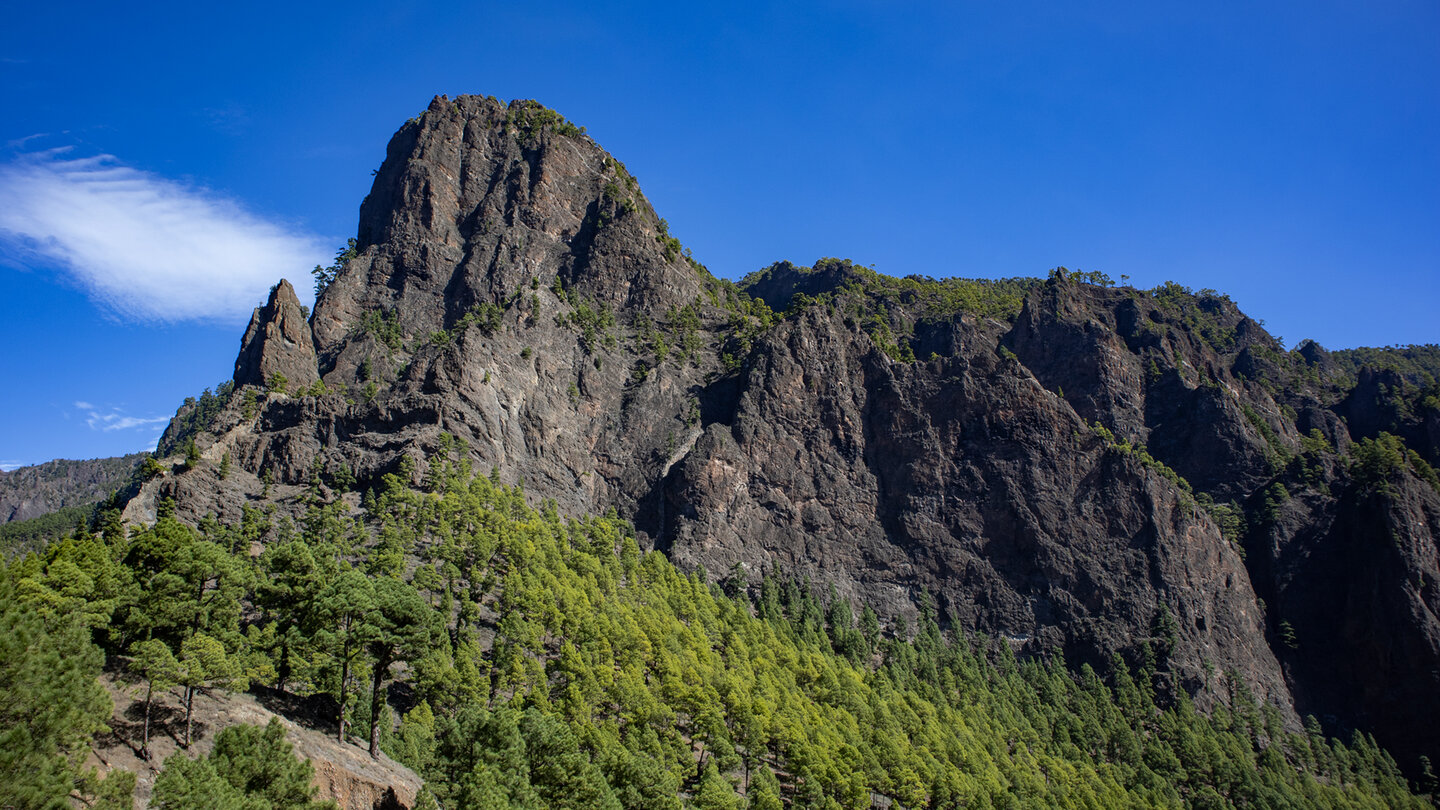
{"points": [[278, 342]]}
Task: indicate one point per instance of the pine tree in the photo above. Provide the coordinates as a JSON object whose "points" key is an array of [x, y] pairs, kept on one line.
{"points": [[560, 772], [204, 662], [50, 703], [715, 793], [401, 627], [249, 768], [290, 582], [262, 764], [342, 613], [153, 661], [193, 784]]}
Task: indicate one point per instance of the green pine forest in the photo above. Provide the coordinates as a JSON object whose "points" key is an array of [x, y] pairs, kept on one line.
{"points": [[516, 657]]}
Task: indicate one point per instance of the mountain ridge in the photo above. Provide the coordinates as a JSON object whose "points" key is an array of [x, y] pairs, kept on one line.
{"points": [[38, 489], [1060, 462]]}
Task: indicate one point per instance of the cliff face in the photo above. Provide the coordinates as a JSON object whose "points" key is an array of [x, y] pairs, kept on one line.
{"points": [[965, 475], [278, 344], [1350, 577], [512, 289], [1063, 464]]}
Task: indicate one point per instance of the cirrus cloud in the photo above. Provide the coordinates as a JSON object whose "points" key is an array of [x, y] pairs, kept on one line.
{"points": [[112, 418], [144, 246]]}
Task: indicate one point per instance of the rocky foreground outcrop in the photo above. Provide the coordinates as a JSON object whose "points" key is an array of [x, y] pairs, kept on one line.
{"points": [[343, 772], [1065, 464], [278, 349]]}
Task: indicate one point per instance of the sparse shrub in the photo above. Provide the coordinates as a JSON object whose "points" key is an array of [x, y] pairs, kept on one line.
{"points": [[150, 468], [384, 326]]}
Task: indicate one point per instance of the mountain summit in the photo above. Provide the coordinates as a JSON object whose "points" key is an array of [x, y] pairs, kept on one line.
{"points": [[1062, 463]]}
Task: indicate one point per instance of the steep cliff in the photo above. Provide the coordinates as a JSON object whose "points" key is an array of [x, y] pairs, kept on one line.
{"points": [[278, 348], [513, 289], [1061, 463], [967, 475]]}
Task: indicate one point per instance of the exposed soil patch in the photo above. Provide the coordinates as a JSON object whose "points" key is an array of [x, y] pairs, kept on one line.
{"points": [[343, 772]]}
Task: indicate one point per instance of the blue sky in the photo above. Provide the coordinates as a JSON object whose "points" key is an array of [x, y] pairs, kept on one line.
{"points": [[161, 166]]}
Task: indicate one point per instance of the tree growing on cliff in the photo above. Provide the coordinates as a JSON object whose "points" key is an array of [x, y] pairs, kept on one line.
{"points": [[325, 276]]}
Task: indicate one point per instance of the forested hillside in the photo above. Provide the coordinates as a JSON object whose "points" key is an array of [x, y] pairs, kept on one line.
{"points": [[867, 541], [519, 658], [1061, 462], [44, 501]]}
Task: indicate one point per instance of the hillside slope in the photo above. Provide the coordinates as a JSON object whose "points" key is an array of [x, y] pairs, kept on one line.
{"points": [[29, 492], [538, 661]]}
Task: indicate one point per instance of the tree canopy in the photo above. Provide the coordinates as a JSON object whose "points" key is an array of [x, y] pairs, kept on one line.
{"points": [[535, 660]]}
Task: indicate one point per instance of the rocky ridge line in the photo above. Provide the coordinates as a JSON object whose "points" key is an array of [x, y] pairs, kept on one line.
{"points": [[1066, 464]]}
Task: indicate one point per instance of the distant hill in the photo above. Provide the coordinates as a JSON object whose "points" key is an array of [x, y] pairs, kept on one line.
{"points": [[29, 492]]}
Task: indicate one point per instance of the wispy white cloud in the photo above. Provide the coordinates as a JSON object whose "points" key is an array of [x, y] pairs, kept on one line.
{"points": [[147, 247], [20, 142], [7, 466], [108, 419]]}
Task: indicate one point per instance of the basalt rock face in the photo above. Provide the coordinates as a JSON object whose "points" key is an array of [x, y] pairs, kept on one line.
{"points": [[963, 475], [1061, 464], [478, 204], [1350, 577], [969, 476], [278, 343], [512, 289]]}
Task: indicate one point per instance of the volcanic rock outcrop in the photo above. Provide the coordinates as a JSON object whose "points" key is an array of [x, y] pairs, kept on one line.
{"points": [[1062, 464], [278, 344]]}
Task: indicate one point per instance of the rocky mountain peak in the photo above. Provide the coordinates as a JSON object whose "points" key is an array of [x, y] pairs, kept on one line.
{"points": [[778, 284], [480, 204], [277, 342], [1061, 464]]}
